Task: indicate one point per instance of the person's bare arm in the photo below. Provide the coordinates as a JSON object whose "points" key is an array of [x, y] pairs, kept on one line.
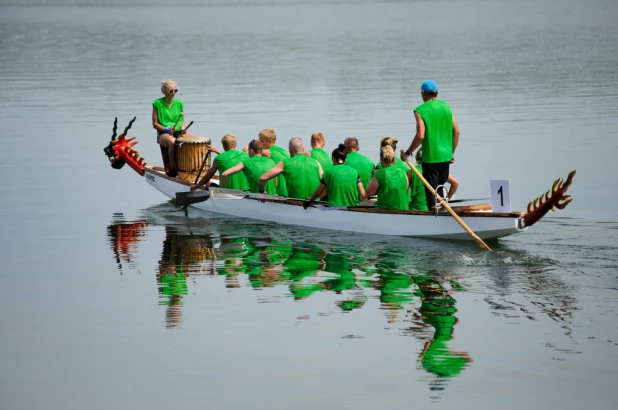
{"points": [[155, 120], [214, 149], [276, 170], [455, 135], [318, 193], [372, 188], [235, 169], [418, 138], [205, 178], [361, 189], [321, 171]]}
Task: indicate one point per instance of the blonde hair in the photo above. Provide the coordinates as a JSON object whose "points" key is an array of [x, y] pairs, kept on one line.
{"points": [[269, 134], [165, 84], [387, 155], [317, 136], [228, 141], [419, 155], [390, 141]]}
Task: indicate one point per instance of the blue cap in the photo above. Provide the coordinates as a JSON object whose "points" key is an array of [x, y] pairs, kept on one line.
{"points": [[430, 86]]}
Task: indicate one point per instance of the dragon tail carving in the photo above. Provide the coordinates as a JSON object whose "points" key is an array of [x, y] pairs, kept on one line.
{"points": [[120, 150], [549, 201]]}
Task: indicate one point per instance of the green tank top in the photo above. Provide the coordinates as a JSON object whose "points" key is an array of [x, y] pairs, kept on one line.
{"points": [[255, 167], [341, 185], [169, 115], [363, 165], [278, 154], [302, 175], [393, 190], [322, 157], [438, 142], [418, 201], [229, 159]]}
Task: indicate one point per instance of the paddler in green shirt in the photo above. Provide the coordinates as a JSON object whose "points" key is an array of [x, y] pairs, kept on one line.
{"points": [[341, 182], [254, 167], [268, 137], [222, 162], [363, 165], [302, 173], [318, 153], [438, 133], [390, 183], [392, 142]]}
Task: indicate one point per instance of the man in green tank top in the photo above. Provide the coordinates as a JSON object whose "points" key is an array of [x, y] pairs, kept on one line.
{"points": [[302, 173], [224, 161], [318, 153], [363, 165], [268, 137], [437, 132], [253, 168]]}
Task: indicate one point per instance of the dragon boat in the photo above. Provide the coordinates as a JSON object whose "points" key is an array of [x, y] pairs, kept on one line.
{"points": [[480, 218]]}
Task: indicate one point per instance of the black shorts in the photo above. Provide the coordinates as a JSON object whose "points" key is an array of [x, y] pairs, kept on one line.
{"points": [[436, 174]]}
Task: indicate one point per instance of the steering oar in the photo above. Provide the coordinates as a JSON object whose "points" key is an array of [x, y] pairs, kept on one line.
{"points": [[447, 207]]}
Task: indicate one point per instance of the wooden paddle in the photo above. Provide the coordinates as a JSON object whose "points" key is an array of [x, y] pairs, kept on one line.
{"points": [[448, 208]]}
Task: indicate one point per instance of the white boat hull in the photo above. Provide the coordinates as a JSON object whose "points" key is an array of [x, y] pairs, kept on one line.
{"points": [[485, 225]]}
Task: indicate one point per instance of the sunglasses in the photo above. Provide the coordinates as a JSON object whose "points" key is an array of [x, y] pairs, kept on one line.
{"points": [[175, 91]]}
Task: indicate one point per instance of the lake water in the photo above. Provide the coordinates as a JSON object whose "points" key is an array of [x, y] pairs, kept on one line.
{"points": [[115, 300]]}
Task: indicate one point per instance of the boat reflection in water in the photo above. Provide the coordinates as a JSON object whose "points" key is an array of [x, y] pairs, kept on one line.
{"points": [[417, 301]]}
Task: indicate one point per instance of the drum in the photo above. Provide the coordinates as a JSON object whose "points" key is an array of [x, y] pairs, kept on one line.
{"points": [[191, 152]]}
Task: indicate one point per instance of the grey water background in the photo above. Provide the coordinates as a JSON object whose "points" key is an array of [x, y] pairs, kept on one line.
{"points": [[534, 86]]}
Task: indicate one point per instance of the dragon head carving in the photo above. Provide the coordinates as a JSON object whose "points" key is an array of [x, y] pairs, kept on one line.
{"points": [[120, 150], [550, 200]]}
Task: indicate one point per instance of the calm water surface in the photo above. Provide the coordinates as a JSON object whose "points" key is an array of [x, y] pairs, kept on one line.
{"points": [[113, 299]]}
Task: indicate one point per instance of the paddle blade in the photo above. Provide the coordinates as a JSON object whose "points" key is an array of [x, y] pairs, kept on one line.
{"points": [[188, 198]]}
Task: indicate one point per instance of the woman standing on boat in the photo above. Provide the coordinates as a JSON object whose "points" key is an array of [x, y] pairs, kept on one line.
{"points": [[390, 183], [253, 168], [222, 162], [341, 182]]}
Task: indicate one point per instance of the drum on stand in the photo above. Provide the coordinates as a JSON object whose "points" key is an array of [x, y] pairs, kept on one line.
{"points": [[191, 153]]}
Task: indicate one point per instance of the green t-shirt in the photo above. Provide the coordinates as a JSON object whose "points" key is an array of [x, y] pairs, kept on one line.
{"points": [[230, 159], [255, 167], [418, 201], [393, 189], [168, 115], [362, 164], [341, 185], [322, 157], [278, 154], [302, 174], [438, 142]]}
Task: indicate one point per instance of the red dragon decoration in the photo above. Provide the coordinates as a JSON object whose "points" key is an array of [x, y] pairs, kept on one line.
{"points": [[120, 150]]}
